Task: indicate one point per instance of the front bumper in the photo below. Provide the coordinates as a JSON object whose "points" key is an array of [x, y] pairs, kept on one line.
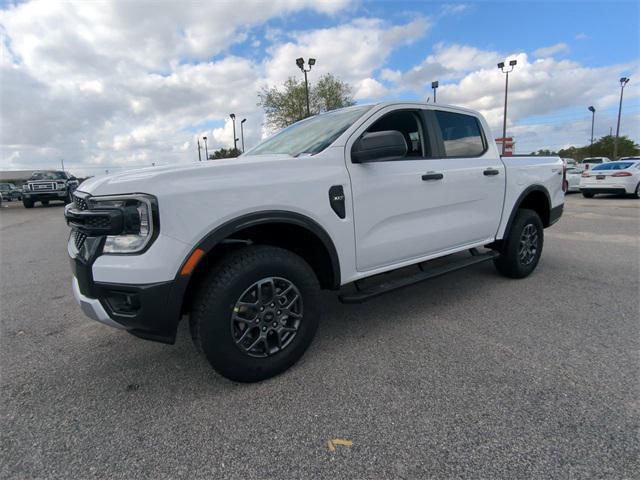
{"points": [[611, 190], [92, 307], [50, 195]]}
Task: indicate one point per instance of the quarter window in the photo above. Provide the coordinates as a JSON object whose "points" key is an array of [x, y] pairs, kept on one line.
{"points": [[461, 134]]}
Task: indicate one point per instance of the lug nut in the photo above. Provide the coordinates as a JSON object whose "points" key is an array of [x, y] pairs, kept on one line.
{"points": [[262, 309], [278, 312], [273, 304], [275, 324], [264, 329]]}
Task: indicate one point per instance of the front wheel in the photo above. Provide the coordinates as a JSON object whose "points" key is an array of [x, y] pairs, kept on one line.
{"points": [[27, 203], [522, 248], [256, 313], [588, 194]]}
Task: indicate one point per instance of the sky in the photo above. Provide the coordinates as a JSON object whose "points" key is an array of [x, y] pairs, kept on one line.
{"points": [[111, 85]]}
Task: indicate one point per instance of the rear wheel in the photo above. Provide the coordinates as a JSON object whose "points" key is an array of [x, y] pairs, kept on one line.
{"points": [[636, 194], [27, 203], [588, 194], [256, 313], [45, 202], [521, 250]]}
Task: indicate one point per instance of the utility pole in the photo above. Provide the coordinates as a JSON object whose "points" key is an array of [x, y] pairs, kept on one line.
{"points": [[623, 82], [199, 151], [62, 162], [434, 86], [300, 64], [206, 150], [512, 64]]}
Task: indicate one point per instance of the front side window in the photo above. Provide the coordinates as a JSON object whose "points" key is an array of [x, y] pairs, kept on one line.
{"points": [[461, 134], [408, 123], [311, 135]]}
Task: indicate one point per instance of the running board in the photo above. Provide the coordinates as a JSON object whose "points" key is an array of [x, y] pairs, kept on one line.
{"points": [[395, 284]]}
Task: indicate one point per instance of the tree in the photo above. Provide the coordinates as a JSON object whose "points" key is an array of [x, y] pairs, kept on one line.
{"points": [[603, 148], [286, 105], [224, 153]]}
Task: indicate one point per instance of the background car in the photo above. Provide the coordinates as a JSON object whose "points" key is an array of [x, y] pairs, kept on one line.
{"points": [[589, 162], [10, 192], [574, 174], [621, 177]]}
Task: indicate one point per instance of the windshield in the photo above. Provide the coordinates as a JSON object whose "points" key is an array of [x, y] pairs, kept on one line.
{"points": [[48, 176], [592, 160], [6, 186], [311, 135], [613, 166]]}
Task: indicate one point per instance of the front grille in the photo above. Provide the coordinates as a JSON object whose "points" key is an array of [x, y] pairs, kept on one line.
{"points": [[98, 222], [79, 238], [43, 187], [79, 202]]}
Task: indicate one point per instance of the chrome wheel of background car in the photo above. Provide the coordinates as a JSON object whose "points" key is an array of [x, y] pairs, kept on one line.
{"points": [[528, 244], [266, 317]]}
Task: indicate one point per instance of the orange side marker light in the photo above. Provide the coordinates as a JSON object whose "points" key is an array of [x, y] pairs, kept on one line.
{"points": [[191, 262]]}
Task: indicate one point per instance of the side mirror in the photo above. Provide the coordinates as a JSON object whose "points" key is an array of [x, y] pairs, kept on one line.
{"points": [[379, 146]]}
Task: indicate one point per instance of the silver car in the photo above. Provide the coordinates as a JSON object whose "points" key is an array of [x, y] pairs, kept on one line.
{"points": [[573, 178]]}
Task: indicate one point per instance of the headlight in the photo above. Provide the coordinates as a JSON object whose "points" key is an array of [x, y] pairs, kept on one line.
{"points": [[60, 186], [140, 221]]}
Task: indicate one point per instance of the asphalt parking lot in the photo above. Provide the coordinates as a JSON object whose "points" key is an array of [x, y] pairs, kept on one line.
{"points": [[469, 375]]}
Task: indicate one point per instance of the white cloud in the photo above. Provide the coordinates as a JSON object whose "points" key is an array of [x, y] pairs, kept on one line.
{"points": [[551, 50], [582, 36]]}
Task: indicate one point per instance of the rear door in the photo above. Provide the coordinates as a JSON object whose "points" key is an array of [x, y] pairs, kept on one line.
{"points": [[447, 192]]}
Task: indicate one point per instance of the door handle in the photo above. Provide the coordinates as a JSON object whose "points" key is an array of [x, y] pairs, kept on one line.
{"points": [[432, 176], [490, 172]]}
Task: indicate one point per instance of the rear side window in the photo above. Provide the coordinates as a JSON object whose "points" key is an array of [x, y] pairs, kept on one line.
{"points": [[461, 134]]}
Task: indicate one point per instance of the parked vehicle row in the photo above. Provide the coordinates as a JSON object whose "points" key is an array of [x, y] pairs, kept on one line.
{"points": [[10, 192]]}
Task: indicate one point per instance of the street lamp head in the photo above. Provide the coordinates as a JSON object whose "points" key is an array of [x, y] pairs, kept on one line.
{"points": [[434, 84], [243, 120], [592, 109], [300, 62], [501, 65], [312, 61], [624, 81], [233, 116], [513, 63], [204, 138]]}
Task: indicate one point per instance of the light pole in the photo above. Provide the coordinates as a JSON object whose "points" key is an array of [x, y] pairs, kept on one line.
{"points": [[300, 64], [242, 132], [623, 83], [199, 151], [512, 64], [206, 151], [235, 140], [593, 119], [434, 85]]}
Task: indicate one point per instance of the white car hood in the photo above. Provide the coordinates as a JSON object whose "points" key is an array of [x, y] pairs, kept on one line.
{"points": [[155, 180]]}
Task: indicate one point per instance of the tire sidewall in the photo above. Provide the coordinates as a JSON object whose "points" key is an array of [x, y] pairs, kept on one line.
{"points": [[525, 218], [216, 337]]}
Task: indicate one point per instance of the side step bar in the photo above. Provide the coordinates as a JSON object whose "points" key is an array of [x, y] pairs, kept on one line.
{"points": [[395, 284]]}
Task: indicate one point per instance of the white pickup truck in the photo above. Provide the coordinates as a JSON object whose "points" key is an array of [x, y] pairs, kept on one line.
{"points": [[243, 246]]}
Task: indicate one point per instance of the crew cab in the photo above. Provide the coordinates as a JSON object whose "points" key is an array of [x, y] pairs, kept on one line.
{"points": [[44, 186], [242, 246]]}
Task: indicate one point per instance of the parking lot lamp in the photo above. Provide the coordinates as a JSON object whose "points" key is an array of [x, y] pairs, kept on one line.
{"points": [[235, 140], [593, 119], [206, 151], [434, 86], [501, 66], [242, 132], [623, 83], [300, 64]]}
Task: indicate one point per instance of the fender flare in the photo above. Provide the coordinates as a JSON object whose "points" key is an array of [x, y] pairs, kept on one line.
{"points": [[520, 199], [227, 229]]}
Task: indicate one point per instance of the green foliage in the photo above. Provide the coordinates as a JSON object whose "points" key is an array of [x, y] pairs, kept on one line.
{"points": [[545, 153], [286, 105], [224, 153], [602, 148]]}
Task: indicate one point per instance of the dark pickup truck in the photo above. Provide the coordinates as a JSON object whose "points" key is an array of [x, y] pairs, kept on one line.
{"points": [[48, 185]]}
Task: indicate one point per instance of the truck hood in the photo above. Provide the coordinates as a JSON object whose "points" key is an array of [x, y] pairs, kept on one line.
{"points": [[155, 180]]}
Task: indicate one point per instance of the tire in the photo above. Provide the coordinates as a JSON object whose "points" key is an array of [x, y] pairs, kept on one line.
{"points": [[588, 194], [27, 203], [511, 262], [217, 325], [636, 194], [45, 202], [67, 199]]}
